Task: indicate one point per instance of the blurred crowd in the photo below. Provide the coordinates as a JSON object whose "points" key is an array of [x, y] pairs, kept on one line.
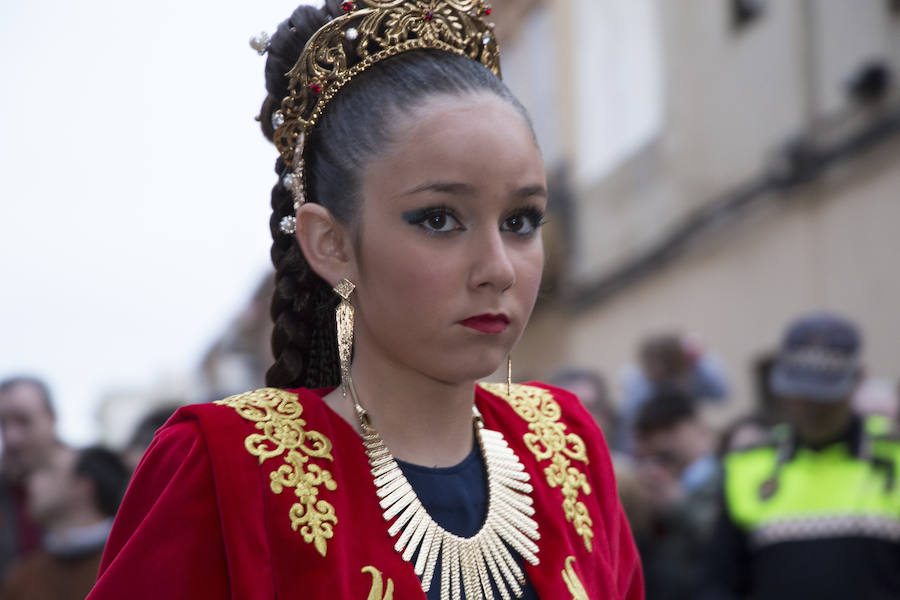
{"points": [[57, 503], [796, 498], [789, 500]]}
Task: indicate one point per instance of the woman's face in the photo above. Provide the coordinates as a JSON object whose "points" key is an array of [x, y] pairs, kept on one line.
{"points": [[448, 252]]}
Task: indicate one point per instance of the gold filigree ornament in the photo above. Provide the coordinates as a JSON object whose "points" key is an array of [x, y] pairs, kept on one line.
{"points": [[277, 415], [468, 565], [547, 439], [570, 578], [379, 591], [370, 31]]}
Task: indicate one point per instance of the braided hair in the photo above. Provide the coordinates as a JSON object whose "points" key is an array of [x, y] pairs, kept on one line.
{"points": [[354, 127]]}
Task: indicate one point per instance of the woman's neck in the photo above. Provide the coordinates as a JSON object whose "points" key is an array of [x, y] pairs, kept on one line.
{"points": [[421, 420]]}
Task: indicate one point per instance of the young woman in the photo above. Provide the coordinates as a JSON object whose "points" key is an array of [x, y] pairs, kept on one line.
{"points": [[408, 257]]}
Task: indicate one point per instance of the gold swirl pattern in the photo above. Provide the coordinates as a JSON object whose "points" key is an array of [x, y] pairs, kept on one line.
{"points": [[547, 439], [277, 415], [379, 591], [570, 577]]}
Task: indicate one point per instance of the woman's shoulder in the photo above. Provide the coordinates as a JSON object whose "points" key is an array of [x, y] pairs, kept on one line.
{"points": [[258, 418], [547, 418], [257, 406], [530, 389], [536, 401]]}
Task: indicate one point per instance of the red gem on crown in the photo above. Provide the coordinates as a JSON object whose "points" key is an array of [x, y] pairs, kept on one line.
{"points": [[315, 88], [429, 15], [488, 10], [347, 6]]}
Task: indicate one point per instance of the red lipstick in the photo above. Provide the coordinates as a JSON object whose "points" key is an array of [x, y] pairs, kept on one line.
{"points": [[486, 323]]}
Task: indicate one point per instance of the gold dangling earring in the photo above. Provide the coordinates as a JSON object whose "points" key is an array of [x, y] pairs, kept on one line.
{"points": [[343, 315], [508, 375]]}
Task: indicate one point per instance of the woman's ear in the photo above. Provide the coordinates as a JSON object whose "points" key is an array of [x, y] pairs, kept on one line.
{"points": [[325, 242]]}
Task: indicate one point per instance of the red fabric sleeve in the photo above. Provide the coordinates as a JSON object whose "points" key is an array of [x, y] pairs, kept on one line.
{"points": [[167, 541]]}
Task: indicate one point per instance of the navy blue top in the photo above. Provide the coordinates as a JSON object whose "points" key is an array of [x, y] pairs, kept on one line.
{"points": [[456, 498]]}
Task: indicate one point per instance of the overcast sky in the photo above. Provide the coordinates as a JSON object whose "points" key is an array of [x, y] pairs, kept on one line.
{"points": [[134, 189]]}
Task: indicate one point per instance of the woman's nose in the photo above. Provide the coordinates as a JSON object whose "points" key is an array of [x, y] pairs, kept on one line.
{"points": [[492, 265]]}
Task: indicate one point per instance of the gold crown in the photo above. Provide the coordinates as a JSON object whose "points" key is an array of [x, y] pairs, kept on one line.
{"points": [[370, 31]]}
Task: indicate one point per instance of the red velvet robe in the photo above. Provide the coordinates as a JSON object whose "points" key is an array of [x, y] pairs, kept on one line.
{"points": [[269, 495]]}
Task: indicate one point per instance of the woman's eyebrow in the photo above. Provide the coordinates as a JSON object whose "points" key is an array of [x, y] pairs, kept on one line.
{"points": [[530, 191], [444, 187], [465, 189]]}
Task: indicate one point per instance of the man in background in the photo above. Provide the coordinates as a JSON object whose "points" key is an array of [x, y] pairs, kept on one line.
{"points": [[815, 511], [27, 439], [74, 497], [678, 478], [667, 360]]}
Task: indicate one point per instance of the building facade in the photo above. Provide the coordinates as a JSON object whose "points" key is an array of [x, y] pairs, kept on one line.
{"points": [[727, 165]]}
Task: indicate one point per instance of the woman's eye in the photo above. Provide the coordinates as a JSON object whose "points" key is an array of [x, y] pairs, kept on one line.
{"points": [[439, 222], [436, 221], [525, 223]]}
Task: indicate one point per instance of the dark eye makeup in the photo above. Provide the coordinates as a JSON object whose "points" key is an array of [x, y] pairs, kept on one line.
{"points": [[442, 219], [525, 221], [434, 219]]}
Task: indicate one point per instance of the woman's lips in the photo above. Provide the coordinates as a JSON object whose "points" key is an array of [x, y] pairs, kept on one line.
{"points": [[487, 323]]}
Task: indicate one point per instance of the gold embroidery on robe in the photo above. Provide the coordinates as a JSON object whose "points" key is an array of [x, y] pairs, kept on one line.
{"points": [[378, 592], [547, 439], [570, 577], [276, 414]]}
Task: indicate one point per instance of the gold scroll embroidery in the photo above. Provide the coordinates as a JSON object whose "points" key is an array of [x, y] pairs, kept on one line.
{"points": [[570, 577], [276, 414], [378, 592], [548, 439]]}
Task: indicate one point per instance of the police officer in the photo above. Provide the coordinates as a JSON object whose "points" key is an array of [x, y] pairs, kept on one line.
{"points": [[815, 511]]}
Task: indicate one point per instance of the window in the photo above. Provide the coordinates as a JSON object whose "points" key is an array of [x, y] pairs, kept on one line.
{"points": [[618, 82]]}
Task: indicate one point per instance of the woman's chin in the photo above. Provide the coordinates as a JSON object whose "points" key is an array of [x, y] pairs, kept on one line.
{"points": [[476, 372]]}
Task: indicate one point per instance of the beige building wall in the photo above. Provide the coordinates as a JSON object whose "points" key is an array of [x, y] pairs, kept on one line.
{"points": [[832, 247], [729, 100]]}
